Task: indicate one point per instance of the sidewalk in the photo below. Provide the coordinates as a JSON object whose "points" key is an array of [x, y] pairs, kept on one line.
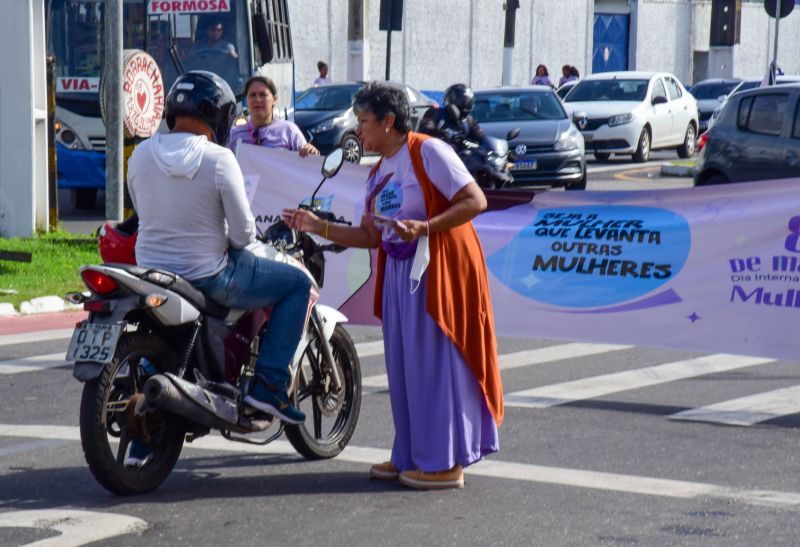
{"points": [[40, 322]]}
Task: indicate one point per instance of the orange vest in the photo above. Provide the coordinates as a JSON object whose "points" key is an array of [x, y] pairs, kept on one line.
{"points": [[458, 296]]}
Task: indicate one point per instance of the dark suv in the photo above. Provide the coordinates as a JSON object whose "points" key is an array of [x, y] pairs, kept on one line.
{"points": [[757, 137]]}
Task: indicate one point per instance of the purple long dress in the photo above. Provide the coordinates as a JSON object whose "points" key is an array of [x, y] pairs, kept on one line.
{"points": [[439, 410]]}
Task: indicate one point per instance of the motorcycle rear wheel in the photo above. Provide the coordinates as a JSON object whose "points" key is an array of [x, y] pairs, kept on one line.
{"points": [[315, 439], [102, 419]]}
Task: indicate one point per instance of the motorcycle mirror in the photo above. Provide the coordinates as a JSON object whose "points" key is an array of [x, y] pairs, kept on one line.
{"points": [[513, 134], [332, 163]]}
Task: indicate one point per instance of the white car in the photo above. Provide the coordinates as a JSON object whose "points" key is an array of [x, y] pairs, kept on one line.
{"points": [[634, 113]]}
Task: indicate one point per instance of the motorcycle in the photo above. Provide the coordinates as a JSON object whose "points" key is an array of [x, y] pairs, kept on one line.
{"points": [[163, 364], [487, 161]]}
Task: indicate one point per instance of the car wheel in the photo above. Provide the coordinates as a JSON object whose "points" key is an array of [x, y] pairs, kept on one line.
{"points": [[686, 150], [83, 198], [714, 179], [351, 147], [642, 153], [602, 156]]}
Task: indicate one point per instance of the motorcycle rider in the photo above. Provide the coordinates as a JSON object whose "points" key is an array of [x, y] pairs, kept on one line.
{"points": [[439, 123], [195, 220]]}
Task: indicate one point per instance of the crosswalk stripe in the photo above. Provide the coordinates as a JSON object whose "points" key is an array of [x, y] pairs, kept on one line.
{"points": [[369, 349], [37, 336], [597, 386], [525, 358], [579, 478], [747, 410], [34, 363]]}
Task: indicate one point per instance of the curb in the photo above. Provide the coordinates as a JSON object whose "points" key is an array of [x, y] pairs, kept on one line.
{"points": [[41, 304], [677, 171]]}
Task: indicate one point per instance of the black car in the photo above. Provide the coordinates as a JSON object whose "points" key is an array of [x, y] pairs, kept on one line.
{"points": [[757, 137], [325, 115]]}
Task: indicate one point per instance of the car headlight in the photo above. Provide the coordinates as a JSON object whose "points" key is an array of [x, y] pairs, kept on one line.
{"points": [[568, 140], [324, 126], [620, 119]]}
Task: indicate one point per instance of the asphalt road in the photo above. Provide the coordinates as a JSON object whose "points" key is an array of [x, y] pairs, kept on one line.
{"points": [[609, 463], [602, 445]]}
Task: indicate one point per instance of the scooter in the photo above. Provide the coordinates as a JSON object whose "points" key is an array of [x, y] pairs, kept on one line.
{"points": [[162, 364]]}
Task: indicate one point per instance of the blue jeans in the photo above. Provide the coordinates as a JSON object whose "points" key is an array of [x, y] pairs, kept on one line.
{"points": [[249, 282]]}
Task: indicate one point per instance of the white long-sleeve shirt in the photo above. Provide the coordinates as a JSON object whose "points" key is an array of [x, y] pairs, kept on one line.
{"points": [[190, 197]]}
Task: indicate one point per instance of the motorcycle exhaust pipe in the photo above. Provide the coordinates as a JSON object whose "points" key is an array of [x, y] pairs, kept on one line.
{"points": [[201, 406]]}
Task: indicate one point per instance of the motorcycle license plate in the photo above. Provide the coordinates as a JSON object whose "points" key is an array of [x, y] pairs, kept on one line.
{"points": [[93, 342], [528, 165]]}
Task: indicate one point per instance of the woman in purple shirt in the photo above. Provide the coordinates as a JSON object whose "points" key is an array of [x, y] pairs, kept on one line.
{"points": [[262, 128]]}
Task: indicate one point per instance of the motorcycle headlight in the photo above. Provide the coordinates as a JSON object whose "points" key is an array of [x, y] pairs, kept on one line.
{"points": [[620, 119], [568, 140]]}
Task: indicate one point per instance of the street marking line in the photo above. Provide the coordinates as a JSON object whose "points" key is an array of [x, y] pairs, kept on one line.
{"points": [[29, 446], [76, 527], [369, 349], [31, 364], [36, 336], [624, 167], [579, 478], [746, 410], [605, 384], [525, 358]]}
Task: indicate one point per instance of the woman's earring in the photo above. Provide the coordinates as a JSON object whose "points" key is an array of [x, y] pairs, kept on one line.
{"points": [[387, 129]]}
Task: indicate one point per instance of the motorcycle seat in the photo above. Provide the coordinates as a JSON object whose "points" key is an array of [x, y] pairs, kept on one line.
{"points": [[181, 286]]}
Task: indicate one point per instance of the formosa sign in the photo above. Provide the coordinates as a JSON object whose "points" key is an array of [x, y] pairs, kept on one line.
{"points": [[714, 269], [158, 7]]}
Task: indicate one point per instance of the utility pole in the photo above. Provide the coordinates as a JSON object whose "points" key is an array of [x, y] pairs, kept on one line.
{"points": [[511, 7], [113, 102], [357, 45]]}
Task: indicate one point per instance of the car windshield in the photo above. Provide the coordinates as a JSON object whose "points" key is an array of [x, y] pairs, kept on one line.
{"points": [[608, 90], [327, 98], [517, 106], [712, 91]]}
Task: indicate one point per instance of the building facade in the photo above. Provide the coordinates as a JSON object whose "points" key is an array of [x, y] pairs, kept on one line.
{"points": [[447, 41]]}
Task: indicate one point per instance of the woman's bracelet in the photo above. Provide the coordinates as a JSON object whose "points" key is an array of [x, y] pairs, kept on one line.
{"points": [[326, 230]]}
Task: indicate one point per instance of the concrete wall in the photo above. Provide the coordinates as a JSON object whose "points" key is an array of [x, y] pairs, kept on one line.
{"points": [[664, 37], [23, 111], [447, 41]]}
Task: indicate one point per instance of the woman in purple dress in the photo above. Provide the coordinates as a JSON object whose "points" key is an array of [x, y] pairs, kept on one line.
{"points": [[438, 329], [262, 128]]}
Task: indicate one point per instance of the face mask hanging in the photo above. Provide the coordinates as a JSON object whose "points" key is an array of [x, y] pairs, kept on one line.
{"points": [[421, 259]]}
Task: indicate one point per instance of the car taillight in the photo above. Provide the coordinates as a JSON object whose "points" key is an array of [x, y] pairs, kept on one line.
{"points": [[701, 142], [99, 282]]}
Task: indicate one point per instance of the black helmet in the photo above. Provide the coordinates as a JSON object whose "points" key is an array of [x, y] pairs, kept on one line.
{"points": [[203, 95], [460, 96]]}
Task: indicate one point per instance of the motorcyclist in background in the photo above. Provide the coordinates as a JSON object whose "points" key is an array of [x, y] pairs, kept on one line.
{"points": [[440, 123]]}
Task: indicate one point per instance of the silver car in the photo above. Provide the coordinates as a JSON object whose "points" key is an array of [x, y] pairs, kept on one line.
{"points": [[549, 149]]}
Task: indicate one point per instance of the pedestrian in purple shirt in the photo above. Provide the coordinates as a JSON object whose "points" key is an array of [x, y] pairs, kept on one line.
{"points": [[262, 128]]}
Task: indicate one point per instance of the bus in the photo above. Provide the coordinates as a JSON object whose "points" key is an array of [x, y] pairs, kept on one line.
{"points": [[233, 38]]}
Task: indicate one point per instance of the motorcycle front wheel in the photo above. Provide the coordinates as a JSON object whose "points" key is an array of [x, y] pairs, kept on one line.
{"points": [[331, 418], [110, 426]]}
